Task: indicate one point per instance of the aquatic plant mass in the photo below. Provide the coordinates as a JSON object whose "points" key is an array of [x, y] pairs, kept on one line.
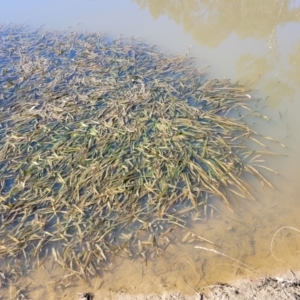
{"points": [[106, 146]]}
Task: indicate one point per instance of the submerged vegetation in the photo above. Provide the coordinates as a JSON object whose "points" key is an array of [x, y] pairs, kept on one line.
{"points": [[107, 146]]}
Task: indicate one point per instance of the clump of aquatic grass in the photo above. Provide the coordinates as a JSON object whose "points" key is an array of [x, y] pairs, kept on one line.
{"points": [[106, 145]]}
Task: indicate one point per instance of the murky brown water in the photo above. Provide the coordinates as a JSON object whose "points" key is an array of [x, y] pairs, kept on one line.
{"points": [[255, 42]]}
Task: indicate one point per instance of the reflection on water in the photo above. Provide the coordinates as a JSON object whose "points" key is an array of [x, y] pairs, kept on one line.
{"points": [[294, 61], [212, 22], [276, 70], [258, 43]]}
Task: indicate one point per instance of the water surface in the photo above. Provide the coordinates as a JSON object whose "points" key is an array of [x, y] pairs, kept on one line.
{"points": [[254, 42]]}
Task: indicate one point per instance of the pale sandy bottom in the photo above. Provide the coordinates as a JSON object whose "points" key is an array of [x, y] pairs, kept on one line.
{"points": [[283, 286]]}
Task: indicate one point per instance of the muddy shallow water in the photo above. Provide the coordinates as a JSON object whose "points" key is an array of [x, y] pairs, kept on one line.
{"points": [[254, 42]]}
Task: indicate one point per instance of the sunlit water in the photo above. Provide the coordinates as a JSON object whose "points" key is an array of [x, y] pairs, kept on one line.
{"points": [[254, 42]]}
